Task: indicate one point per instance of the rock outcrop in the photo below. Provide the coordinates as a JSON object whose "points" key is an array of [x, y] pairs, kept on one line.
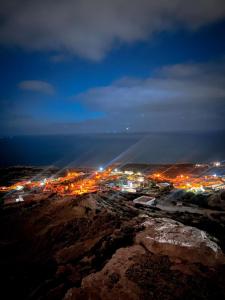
{"points": [[165, 255], [102, 247], [163, 236]]}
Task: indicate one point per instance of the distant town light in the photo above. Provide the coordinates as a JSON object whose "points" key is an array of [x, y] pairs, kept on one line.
{"points": [[130, 184], [43, 182], [214, 175], [116, 170], [141, 179], [216, 163], [100, 169], [128, 172]]}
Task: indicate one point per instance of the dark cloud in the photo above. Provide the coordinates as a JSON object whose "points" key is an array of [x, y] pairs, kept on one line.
{"points": [[89, 28], [37, 86], [177, 97], [182, 97], [12, 121], [58, 58]]}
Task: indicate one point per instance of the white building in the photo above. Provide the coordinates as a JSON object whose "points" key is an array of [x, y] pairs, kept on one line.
{"points": [[145, 200]]}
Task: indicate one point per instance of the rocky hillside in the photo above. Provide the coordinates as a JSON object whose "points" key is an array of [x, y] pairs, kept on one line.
{"points": [[101, 246]]}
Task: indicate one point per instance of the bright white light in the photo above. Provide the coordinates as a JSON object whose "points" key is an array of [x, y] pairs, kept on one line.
{"points": [[214, 175], [216, 164], [116, 170], [141, 179], [19, 187], [128, 172], [100, 169], [43, 182], [130, 184], [20, 199]]}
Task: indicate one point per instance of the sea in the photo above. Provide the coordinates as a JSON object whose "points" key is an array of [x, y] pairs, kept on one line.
{"points": [[95, 150]]}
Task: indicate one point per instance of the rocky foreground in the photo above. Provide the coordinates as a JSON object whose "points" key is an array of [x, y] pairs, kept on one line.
{"points": [[101, 246]]}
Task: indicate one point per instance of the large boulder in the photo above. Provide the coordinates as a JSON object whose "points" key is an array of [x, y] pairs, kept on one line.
{"points": [[168, 237], [167, 261], [111, 282]]}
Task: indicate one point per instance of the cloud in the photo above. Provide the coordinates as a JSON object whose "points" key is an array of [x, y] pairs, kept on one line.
{"points": [[58, 58], [37, 86], [176, 97], [90, 28]]}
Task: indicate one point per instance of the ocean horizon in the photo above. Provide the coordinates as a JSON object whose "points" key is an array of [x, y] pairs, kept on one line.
{"points": [[95, 150]]}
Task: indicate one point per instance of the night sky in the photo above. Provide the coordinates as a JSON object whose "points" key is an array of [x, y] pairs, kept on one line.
{"points": [[100, 66]]}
